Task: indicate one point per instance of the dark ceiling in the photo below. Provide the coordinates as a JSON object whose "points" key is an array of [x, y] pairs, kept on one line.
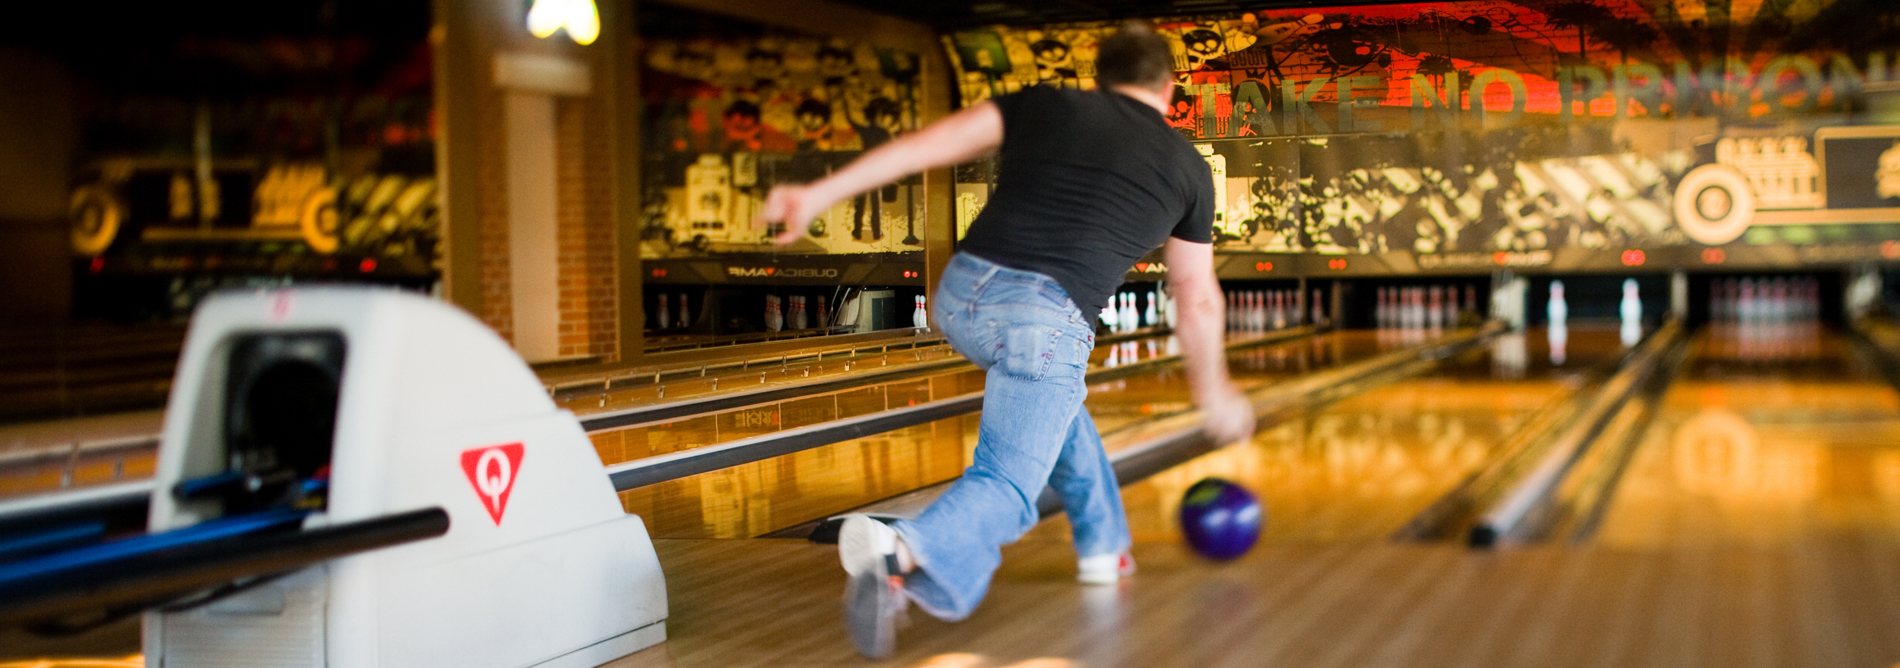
{"points": [[959, 14]]}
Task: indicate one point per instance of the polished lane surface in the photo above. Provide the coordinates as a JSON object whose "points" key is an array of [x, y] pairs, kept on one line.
{"points": [[1768, 437], [1362, 467], [762, 497]]}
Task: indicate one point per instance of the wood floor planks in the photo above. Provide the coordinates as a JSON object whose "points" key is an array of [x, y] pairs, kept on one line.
{"points": [[1819, 603]]}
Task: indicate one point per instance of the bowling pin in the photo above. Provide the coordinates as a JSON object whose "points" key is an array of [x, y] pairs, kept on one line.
{"points": [[1318, 314], [1384, 312], [1559, 335], [774, 318], [824, 312], [1435, 309], [685, 319], [1153, 313], [1558, 309], [1108, 316], [920, 317], [1131, 318], [662, 314], [1632, 311], [1279, 309], [1745, 301]]}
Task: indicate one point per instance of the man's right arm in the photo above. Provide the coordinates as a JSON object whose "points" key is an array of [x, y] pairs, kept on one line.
{"points": [[1227, 415], [966, 135]]}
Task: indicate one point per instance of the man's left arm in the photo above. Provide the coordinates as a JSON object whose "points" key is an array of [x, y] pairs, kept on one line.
{"points": [[963, 136]]}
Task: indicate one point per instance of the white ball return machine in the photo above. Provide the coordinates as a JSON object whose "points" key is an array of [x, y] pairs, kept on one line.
{"points": [[308, 427]]}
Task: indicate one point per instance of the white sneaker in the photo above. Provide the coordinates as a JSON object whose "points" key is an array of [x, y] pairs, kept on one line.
{"points": [[873, 594], [1104, 569]]}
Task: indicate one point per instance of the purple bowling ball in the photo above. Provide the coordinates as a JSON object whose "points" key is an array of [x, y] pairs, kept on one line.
{"points": [[1221, 519]]}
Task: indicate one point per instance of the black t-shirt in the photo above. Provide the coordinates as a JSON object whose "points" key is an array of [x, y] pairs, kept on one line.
{"points": [[1087, 183]]}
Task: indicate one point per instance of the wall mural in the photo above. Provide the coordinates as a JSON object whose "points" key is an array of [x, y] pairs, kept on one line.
{"points": [[1493, 132], [253, 142], [296, 143], [733, 108]]}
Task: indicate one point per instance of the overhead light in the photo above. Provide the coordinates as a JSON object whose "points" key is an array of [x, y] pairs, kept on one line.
{"points": [[580, 17]]}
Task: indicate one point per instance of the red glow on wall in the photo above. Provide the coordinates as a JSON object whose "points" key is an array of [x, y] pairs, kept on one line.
{"points": [[1263, 266], [659, 273], [99, 264], [367, 265], [1336, 264], [1714, 256], [1633, 258], [1890, 249]]}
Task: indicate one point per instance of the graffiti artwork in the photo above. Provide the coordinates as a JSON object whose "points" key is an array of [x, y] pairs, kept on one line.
{"points": [[1533, 126], [733, 109]]}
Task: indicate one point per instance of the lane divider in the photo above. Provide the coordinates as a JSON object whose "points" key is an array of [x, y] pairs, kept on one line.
{"points": [[1498, 522]]}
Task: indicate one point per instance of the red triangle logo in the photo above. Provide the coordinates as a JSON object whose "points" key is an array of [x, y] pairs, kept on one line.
{"points": [[492, 471], [1141, 266], [771, 270]]}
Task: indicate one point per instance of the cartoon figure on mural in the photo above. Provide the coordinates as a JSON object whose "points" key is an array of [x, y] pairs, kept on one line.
{"points": [[729, 117], [1052, 64]]}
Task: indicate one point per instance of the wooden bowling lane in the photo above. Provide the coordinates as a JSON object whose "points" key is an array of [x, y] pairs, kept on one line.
{"points": [[1360, 468], [762, 497], [1765, 441], [603, 395], [85, 370], [1345, 604], [1163, 388], [40, 457], [587, 395]]}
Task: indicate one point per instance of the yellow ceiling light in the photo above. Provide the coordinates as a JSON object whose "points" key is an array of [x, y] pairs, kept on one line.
{"points": [[580, 17]]}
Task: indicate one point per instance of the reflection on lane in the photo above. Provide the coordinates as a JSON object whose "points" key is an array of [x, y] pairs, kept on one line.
{"points": [[1151, 393], [758, 498], [1765, 439], [797, 369], [1360, 468]]}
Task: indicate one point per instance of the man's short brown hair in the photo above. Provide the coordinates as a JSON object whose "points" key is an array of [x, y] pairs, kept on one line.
{"points": [[1134, 56]]}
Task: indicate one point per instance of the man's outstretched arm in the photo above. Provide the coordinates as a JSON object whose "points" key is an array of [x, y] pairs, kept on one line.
{"points": [[963, 136], [1227, 415]]}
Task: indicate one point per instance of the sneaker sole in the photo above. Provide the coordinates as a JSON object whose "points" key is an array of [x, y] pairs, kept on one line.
{"points": [[870, 593], [1124, 569]]}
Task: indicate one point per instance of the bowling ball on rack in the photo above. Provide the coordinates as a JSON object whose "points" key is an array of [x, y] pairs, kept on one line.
{"points": [[1220, 519]]}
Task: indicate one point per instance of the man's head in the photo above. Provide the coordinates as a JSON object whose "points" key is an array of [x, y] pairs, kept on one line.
{"points": [[1135, 56]]}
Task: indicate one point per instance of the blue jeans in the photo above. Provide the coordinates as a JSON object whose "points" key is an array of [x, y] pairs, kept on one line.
{"points": [[1023, 329]]}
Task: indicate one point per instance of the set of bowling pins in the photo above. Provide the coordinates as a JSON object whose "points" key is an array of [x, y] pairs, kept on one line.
{"points": [[1765, 300], [1122, 314], [665, 317], [1766, 318], [1423, 308], [800, 317], [1264, 310], [1557, 312]]}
